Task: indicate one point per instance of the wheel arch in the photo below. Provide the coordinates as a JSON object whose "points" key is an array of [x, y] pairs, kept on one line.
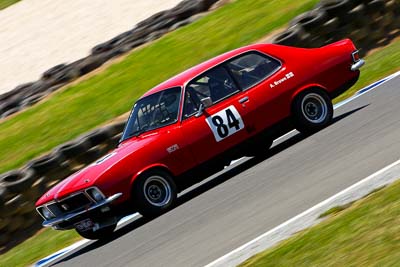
{"points": [[313, 86], [153, 167]]}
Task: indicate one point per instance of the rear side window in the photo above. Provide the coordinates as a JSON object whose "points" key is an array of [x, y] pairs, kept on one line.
{"points": [[251, 68]]}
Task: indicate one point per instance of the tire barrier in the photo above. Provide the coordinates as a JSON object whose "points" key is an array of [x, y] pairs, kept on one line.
{"points": [[145, 31], [17, 181], [369, 23], [20, 189]]}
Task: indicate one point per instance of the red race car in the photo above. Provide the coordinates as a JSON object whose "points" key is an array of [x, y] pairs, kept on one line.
{"points": [[195, 123]]}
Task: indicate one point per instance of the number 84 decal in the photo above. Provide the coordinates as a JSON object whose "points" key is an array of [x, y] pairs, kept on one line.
{"points": [[225, 123]]}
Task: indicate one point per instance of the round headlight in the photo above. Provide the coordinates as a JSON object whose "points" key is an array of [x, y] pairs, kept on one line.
{"points": [[47, 214], [96, 195]]}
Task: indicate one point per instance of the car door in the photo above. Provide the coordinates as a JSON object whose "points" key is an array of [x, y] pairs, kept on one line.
{"points": [[221, 125], [255, 72]]}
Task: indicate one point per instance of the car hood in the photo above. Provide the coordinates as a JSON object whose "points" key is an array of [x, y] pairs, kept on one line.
{"points": [[88, 176]]}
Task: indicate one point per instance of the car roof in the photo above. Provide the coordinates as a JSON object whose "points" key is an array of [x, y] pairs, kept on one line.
{"points": [[182, 78]]}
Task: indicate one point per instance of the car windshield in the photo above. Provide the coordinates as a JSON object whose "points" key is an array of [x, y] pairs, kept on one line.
{"points": [[152, 112]]}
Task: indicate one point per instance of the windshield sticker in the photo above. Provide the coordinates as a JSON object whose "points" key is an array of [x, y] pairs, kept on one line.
{"points": [[287, 76]]}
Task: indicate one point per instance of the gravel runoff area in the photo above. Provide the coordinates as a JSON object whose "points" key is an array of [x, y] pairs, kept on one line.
{"points": [[36, 35]]}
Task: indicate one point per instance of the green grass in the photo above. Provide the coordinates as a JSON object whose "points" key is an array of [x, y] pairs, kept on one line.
{"points": [[335, 210], [112, 92], [6, 3], [38, 247], [366, 234]]}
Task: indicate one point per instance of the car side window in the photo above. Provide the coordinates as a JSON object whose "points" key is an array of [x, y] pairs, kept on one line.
{"points": [[251, 68], [216, 84]]}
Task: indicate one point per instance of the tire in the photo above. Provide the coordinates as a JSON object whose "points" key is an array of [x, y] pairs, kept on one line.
{"points": [[117, 128], [4, 222], [115, 140], [336, 8], [97, 136], [31, 100], [292, 36], [17, 181], [10, 112], [50, 73], [358, 15], [5, 238], [182, 12], [73, 148], [311, 20], [101, 234], [312, 110], [30, 219], [376, 6], [12, 206], [90, 155], [46, 164], [101, 48], [89, 63], [3, 194], [154, 193]]}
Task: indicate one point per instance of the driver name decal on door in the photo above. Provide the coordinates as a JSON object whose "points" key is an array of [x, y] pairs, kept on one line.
{"points": [[225, 123]]}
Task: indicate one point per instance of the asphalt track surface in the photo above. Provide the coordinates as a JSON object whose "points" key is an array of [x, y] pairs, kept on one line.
{"points": [[255, 195]]}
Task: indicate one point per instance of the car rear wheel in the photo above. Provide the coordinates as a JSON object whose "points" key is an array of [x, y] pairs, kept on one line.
{"points": [[103, 233], [154, 193], [312, 111]]}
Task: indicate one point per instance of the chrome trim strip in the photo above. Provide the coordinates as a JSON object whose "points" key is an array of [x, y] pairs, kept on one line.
{"points": [[357, 65], [68, 217]]}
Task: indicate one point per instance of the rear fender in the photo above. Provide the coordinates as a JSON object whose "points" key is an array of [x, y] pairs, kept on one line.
{"points": [[307, 87]]}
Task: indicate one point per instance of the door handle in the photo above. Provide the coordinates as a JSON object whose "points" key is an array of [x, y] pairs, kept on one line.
{"points": [[244, 99]]}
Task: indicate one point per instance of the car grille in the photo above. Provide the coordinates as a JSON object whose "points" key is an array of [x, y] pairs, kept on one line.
{"points": [[76, 202]]}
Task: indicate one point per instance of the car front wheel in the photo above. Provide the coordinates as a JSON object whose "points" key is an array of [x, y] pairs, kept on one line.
{"points": [[312, 111], [154, 193]]}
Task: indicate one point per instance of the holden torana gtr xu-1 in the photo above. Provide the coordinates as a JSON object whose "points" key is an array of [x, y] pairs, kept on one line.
{"points": [[195, 123]]}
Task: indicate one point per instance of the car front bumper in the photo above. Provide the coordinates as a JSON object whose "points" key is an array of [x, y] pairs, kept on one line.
{"points": [[70, 218]]}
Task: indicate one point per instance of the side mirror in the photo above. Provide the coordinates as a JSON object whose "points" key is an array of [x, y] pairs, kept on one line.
{"points": [[205, 103]]}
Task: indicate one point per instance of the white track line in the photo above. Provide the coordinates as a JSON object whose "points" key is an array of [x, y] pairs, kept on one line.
{"points": [[309, 217]]}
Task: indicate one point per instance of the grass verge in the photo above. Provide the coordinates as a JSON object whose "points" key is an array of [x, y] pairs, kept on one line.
{"points": [[365, 234], [38, 247], [6, 3], [92, 102]]}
